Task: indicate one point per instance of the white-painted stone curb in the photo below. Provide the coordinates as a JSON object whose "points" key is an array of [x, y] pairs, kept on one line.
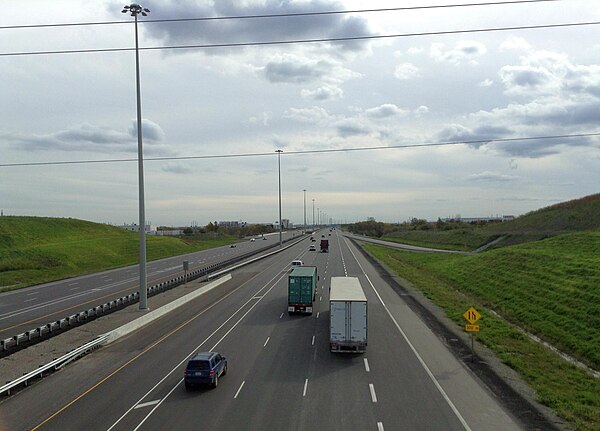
{"points": [[155, 314]]}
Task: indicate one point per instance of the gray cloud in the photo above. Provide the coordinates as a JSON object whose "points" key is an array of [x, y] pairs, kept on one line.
{"points": [[288, 71], [87, 137], [385, 111], [350, 127], [323, 93], [246, 30], [176, 168], [488, 176]]}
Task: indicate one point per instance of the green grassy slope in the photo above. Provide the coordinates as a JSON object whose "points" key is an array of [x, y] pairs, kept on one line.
{"points": [[572, 216], [551, 288], [34, 250]]}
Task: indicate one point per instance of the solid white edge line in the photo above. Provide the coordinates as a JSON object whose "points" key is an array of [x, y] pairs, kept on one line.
{"points": [[379, 426], [239, 389], [367, 369], [372, 390], [414, 350], [265, 345], [305, 387]]}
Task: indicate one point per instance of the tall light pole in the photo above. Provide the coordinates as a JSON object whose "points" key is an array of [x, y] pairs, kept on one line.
{"points": [[279, 171], [313, 213], [135, 9], [304, 209]]}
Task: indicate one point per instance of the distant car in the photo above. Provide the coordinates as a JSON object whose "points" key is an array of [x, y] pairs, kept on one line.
{"points": [[252, 239], [296, 264], [329, 234], [232, 246], [312, 248], [322, 236], [313, 240], [264, 238], [205, 368]]}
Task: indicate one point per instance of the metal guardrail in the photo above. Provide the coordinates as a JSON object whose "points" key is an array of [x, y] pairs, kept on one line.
{"points": [[54, 365], [28, 338]]}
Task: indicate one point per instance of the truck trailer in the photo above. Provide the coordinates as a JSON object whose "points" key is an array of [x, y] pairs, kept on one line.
{"points": [[347, 316], [324, 246], [302, 288]]}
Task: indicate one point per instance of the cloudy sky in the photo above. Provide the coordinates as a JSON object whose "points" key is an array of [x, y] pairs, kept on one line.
{"points": [[213, 116]]}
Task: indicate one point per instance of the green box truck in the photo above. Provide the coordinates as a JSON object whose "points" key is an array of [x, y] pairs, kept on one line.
{"points": [[302, 288]]}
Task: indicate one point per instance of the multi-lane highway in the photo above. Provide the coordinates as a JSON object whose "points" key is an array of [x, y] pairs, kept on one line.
{"points": [[28, 308], [281, 375]]}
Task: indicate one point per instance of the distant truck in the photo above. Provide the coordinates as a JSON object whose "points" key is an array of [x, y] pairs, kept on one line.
{"points": [[347, 316], [302, 289], [324, 246]]}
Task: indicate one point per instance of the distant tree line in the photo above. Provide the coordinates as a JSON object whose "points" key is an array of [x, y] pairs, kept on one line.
{"points": [[373, 228], [241, 231]]}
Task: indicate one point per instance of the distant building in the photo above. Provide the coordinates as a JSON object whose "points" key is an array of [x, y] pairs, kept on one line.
{"points": [[232, 223], [285, 223], [134, 227], [169, 232]]}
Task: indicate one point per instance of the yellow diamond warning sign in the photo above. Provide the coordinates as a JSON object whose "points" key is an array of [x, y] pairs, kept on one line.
{"points": [[472, 315]]}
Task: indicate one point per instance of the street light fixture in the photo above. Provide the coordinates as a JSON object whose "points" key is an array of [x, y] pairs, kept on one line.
{"points": [[135, 9], [279, 173], [304, 210]]}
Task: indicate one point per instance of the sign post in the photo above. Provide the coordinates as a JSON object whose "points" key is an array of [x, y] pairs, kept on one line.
{"points": [[472, 316], [186, 267]]}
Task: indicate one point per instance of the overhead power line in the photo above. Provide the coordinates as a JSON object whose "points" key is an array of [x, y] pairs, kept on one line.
{"points": [[300, 41], [279, 15], [301, 152]]}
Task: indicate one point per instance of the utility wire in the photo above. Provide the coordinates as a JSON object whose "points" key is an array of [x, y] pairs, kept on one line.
{"points": [[301, 152], [280, 15], [299, 41]]}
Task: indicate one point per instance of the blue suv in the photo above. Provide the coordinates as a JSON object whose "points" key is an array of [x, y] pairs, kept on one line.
{"points": [[205, 369]]}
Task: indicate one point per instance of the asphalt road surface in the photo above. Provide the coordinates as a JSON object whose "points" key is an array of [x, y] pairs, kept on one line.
{"points": [[281, 375], [28, 308]]}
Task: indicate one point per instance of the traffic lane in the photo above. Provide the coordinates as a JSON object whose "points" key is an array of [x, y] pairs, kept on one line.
{"points": [[94, 382], [258, 381], [472, 400], [32, 307], [170, 410], [107, 359], [175, 407]]}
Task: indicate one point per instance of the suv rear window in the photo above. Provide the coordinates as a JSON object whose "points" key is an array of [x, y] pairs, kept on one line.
{"points": [[199, 365]]}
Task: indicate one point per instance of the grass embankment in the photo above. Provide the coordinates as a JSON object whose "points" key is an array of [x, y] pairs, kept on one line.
{"points": [[36, 250], [572, 216], [550, 288]]}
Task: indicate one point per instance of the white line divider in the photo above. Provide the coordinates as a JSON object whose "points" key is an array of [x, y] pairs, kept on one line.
{"points": [[148, 404], [159, 312], [239, 390], [305, 387], [265, 345], [379, 426], [372, 390], [367, 369]]}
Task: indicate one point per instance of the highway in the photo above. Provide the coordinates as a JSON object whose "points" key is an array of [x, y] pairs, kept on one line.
{"points": [[28, 308], [281, 375]]}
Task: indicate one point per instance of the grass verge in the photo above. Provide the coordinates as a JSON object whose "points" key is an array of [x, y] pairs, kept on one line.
{"points": [[502, 281]]}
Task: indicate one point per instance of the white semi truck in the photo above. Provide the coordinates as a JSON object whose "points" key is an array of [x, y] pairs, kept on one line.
{"points": [[347, 316]]}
